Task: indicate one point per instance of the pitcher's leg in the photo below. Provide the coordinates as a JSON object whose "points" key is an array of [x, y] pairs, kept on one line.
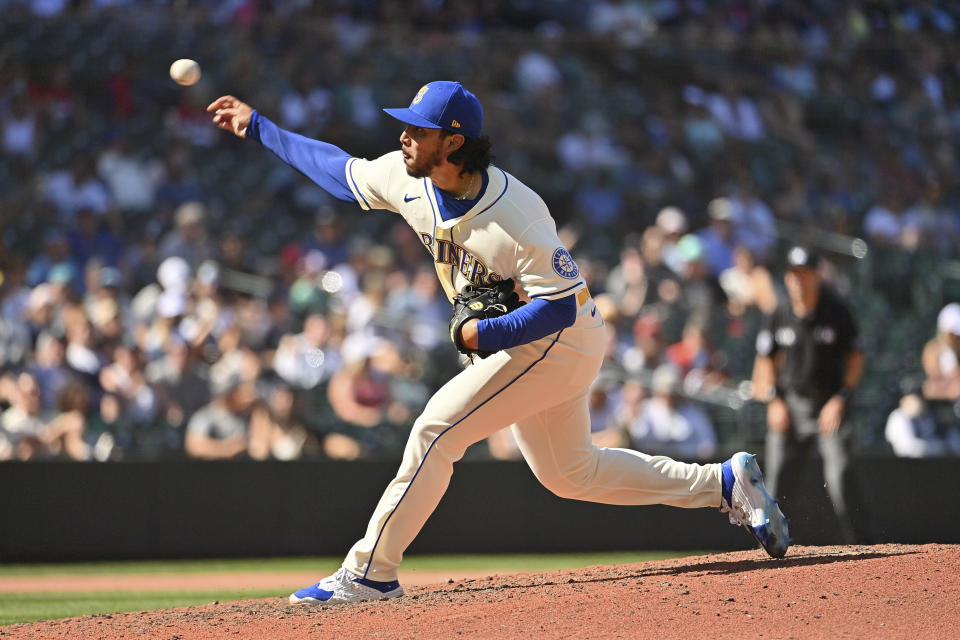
{"points": [[556, 444], [419, 503], [482, 399]]}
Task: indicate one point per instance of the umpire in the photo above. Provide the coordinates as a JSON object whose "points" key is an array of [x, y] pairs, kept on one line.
{"points": [[807, 366]]}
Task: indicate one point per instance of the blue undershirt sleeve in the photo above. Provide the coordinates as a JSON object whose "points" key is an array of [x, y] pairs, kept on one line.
{"points": [[322, 162], [530, 322]]}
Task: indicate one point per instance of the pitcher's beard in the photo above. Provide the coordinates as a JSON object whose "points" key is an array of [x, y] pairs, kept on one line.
{"points": [[423, 170]]}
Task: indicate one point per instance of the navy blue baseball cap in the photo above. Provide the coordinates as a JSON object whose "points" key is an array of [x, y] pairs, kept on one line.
{"points": [[443, 105]]}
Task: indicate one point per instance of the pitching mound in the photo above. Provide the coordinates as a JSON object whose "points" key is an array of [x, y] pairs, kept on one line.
{"points": [[883, 591]]}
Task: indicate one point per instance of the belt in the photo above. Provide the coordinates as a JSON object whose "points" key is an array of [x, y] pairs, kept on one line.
{"points": [[582, 296]]}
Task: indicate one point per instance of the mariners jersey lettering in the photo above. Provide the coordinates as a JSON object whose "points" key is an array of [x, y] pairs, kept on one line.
{"points": [[507, 234]]}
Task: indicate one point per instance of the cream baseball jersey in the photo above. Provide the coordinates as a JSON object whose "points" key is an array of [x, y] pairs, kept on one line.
{"points": [[507, 234]]}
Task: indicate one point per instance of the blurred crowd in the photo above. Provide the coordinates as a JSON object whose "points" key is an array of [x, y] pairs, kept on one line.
{"points": [[168, 290]]}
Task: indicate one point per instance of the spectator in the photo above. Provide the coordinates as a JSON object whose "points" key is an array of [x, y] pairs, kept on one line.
{"points": [[124, 377], [50, 369], [56, 249], [78, 187], [188, 240], [275, 430], [307, 359], [14, 292], [306, 104], [219, 429], [22, 425], [92, 239], [421, 299], [929, 218], [628, 22], [672, 222], [20, 129], [81, 353], [14, 343], [373, 396], [941, 357], [717, 239], [178, 183], [14, 298], [753, 221], [693, 354], [703, 135], [358, 393], [604, 402], [748, 284], [327, 237], [668, 425], [913, 432], [701, 294], [884, 223], [65, 434], [647, 350], [132, 181], [626, 411], [663, 282], [109, 432], [627, 283], [181, 382], [536, 71], [808, 364], [735, 113], [599, 200]]}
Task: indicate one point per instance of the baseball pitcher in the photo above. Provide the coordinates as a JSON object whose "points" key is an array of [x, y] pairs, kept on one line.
{"points": [[522, 312]]}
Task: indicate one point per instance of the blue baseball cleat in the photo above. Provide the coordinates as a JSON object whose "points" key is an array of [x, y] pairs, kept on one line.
{"points": [[343, 587], [748, 503]]}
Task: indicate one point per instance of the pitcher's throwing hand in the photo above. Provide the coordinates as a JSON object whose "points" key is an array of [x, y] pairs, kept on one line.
{"points": [[231, 115]]}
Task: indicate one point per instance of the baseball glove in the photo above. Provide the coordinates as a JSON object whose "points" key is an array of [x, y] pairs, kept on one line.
{"points": [[485, 301]]}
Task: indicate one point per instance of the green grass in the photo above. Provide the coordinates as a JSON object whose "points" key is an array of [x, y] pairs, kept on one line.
{"points": [[493, 562], [26, 607]]}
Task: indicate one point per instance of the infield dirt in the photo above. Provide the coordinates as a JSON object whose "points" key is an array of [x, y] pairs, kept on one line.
{"points": [[881, 591]]}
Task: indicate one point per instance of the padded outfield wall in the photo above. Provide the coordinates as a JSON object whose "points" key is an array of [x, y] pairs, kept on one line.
{"points": [[81, 511]]}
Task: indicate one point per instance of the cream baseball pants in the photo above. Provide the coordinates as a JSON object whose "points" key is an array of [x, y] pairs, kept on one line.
{"points": [[541, 389]]}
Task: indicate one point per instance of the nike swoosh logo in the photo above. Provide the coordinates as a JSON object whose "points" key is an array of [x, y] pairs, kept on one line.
{"points": [[407, 198], [594, 312]]}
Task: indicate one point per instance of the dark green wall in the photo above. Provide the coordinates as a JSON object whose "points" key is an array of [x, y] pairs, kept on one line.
{"points": [[68, 511]]}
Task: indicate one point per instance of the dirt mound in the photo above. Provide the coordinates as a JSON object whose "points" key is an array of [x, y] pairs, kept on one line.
{"points": [[883, 591]]}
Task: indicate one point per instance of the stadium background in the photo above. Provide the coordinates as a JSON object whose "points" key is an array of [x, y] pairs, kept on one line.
{"points": [[818, 122]]}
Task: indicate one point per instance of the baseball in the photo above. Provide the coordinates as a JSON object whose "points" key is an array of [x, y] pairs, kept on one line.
{"points": [[185, 71]]}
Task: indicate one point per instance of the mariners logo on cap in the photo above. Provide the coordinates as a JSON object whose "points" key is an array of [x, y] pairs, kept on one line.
{"points": [[564, 265], [419, 96]]}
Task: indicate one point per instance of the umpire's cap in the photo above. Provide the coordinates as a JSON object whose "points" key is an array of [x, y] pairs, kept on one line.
{"points": [[443, 105], [802, 258]]}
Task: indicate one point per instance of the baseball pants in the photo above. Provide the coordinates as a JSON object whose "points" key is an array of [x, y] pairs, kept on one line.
{"points": [[541, 389], [787, 452]]}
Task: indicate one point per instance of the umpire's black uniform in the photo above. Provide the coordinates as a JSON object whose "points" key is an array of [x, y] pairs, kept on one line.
{"points": [[813, 351]]}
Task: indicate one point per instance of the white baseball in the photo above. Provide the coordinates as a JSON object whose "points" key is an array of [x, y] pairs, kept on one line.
{"points": [[185, 71]]}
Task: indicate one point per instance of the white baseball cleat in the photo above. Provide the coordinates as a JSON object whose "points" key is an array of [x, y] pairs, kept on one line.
{"points": [[749, 504], [343, 587]]}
